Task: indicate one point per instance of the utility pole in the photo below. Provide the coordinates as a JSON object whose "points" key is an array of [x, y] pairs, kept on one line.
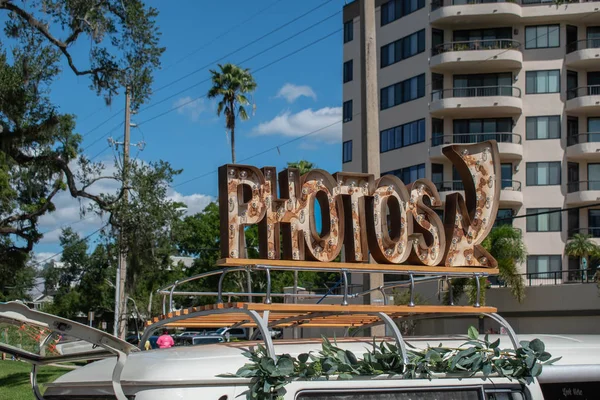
{"points": [[120, 297], [369, 118]]}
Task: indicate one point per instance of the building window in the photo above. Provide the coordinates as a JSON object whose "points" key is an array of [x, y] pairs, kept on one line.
{"points": [[543, 173], [542, 36], [347, 151], [541, 264], [437, 131], [403, 48], [402, 136], [479, 130], [472, 85], [348, 31], [348, 70], [437, 175], [347, 111], [538, 128], [409, 174], [538, 82], [396, 9], [403, 92], [544, 222], [504, 217]]}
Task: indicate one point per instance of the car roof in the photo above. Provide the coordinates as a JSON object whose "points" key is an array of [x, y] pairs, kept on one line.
{"points": [[198, 363]]}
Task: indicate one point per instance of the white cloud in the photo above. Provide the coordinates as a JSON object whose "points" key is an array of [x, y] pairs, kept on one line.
{"points": [[190, 107], [69, 210], [327, 121], [195, 202], [291, 92]]}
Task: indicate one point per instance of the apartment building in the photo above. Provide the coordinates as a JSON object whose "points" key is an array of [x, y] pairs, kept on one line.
{"points": [[523, 72]]}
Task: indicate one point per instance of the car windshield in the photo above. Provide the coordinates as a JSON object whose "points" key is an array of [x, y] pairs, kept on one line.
{"points": [[221, 331]]}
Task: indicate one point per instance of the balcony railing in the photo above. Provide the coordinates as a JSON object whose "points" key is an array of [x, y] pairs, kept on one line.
{"points": [[466, 138], [583, 44], [551, 278], [435, 4], [479, 91], [580, 186], [483, 44], [453, 186], [589, 137], [594, 231], [591, 90]]}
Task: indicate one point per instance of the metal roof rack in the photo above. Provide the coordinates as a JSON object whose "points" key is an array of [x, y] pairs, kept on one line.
{"points": [[265, 315]]}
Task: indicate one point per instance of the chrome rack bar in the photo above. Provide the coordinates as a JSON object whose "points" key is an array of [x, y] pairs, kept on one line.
{"points": [[258, 320], [259, 294], [450, 291], [412, 291], [345, 283], [478, 299], [268, 294]]}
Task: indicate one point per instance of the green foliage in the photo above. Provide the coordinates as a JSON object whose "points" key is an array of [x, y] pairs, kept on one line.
{"points": [[40, 153], [302, 165], [475, 357], [231, 84], [505, 244]]}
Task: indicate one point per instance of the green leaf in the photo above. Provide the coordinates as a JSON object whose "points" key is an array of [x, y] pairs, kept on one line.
{"points": [[550, 362], [345, 376], [303, 358], [495, 344], [487, 369], [285, 366], [351, 357], [537, 345], [529, 361], [473, 333], [536, 370]]}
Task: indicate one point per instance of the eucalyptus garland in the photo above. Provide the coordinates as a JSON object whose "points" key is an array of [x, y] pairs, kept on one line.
{"points": [[473, 357]]}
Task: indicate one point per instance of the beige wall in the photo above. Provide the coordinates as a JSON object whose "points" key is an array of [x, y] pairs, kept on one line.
{"points": [[533, 104]]}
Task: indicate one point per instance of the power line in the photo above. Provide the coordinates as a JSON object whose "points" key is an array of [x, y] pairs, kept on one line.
{"points": [[223, 34], [244, 46], [264, 151], [241, 62], [558, 210], [255, 71], [73, 244], [103, 136]]}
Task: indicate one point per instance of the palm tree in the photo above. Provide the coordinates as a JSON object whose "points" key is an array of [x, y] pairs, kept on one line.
{"points": [[505, 244], [302, 165], [230, 85], [581, 246]]}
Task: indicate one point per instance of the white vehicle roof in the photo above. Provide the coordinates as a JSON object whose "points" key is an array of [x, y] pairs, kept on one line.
{"points": [[203, 364]]}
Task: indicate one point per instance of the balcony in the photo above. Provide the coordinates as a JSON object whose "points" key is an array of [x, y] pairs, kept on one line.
{"points": [[583, 100], [488, 101], [568, 11], [583, 54], [510, 195], [552, 278], [470, 56], [583, 192], [509, 144], [585, 146], [593, 231], [451, 13]]}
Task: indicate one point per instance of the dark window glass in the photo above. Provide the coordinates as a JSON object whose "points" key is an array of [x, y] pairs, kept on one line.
{"points": [[449, 394], [403, 48], [402, 136], [550, 222], [347, 111], [572, 84], [538, 82], [540, 264], [409, 174], [348, 31], [572, 177], [542, 36], [547, 127], [573, 222], [506, 175], [504, 217], [396, 9], [437, 132], [347, 151], [348, 70], [402, 92], [478, 130], [543, 173]]}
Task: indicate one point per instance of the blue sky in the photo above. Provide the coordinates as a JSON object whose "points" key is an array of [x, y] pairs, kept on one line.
{"points": [[295, 96]]}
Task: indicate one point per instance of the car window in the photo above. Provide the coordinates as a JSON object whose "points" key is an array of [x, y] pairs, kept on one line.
{"points": [[472, 394], [505, 395], [236, 332], [221, 330]]}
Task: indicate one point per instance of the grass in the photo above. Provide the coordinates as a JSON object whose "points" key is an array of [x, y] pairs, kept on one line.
{"points": [[14, 379]]}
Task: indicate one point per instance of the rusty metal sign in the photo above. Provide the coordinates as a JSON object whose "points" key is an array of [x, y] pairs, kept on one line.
{"points": [[394, 222]]}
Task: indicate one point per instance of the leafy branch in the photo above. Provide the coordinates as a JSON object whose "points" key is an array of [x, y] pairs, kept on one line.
{"points": [[475, 357]]}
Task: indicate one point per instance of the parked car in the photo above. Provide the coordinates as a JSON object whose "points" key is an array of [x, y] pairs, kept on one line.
{"points": [[189, 333], [198, 340], [238, 333]]}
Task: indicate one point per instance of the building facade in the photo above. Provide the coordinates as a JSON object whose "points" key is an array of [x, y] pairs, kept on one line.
{"points": [[525, 73]]}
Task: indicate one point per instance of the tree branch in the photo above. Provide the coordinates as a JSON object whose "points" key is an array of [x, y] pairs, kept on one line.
{"points": [[29, 216], [61, 45]]}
